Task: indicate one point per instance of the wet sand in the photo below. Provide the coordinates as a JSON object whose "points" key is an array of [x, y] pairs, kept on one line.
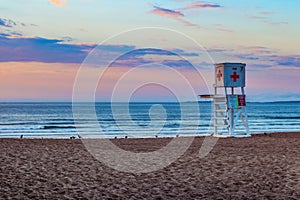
{"points": [[260, 167]]}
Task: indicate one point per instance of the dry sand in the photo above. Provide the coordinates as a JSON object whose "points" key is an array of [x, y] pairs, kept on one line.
{"points": [[260, 167]]}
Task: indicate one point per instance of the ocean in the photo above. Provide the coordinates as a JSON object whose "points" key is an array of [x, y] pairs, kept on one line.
{"points": [[55, 120]]}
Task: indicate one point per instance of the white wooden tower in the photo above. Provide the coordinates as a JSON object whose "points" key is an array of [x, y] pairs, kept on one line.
{"points": [[229, 99]]}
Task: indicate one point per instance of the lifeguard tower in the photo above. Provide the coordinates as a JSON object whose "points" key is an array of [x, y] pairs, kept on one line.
{"points": [[229, 99]]}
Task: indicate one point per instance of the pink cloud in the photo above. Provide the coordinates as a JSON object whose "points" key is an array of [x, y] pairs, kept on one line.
{"points": [[179, 16], [166, 12], [263, 17], [260, 50], [265, 13], [278, 23], [201, 5], [187, 23], [220, 27], [225, 30], [175, 15], [58, 2]]}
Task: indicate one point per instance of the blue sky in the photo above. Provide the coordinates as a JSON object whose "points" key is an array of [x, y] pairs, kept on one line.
{"points": [[51, 38]]}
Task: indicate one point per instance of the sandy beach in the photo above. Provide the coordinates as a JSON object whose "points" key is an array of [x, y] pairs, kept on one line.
{"points": [[260, 167]]}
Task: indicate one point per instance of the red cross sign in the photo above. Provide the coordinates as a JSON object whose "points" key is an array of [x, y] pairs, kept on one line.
{"points": [[219, 75], [235, 76]]}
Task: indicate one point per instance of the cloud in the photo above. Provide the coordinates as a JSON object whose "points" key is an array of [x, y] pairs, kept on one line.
{"points": [[260, 66], [175, 15], [67, 39], [258, 57], [201, 5], [37, 49], [271, 60], [256, 17], [187, 23], [178, 64], [225, 30], [10, 24], [138, 57], [266, 13], [129, 61], [259, 50], [8, 33], [264, 58], [290, 60], [58, 2], [184, 53], [153, 51], [166, 12], [217, 50], [162, 52], [7, 23], [116, 48], [28, 49], [247, 56], [179, 16], [263, 17], [279, 23], [220, 27]]}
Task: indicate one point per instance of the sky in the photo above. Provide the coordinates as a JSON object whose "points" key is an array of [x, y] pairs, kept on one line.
{"points": [[146, 50]]}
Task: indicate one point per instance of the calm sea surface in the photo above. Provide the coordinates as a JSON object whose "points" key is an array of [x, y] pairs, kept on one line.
{"points": [[136, 119]]}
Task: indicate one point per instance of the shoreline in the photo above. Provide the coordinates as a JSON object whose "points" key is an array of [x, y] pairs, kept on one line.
{"points": [[76, 136]]}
